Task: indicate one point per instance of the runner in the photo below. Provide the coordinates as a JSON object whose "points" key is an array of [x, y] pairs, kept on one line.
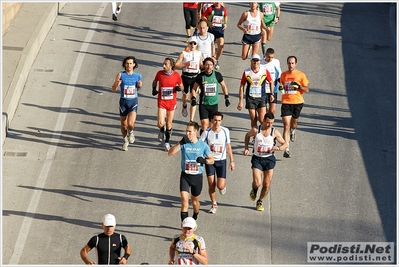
{"points": [[271, 15], [170, 83], [129, 83], [263, 159], [190, 62], [218, 139]]}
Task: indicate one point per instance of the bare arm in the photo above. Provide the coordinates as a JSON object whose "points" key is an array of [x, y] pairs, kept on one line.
{"points": [[230, 153], [241, 20], [174, 149], [117, 82], [249, 134], [128, 252], [172, 254], [305, 88], [224, 88], [240, 97], [201, 256], [179, 62], [210, 160], [84, 255], [281, 140]]}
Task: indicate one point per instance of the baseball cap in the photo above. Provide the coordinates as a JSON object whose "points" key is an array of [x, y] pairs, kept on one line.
{"points": [[189, 222], [255, 57], [109, 220], [192, 39]]}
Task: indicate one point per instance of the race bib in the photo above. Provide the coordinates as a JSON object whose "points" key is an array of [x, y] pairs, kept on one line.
{"points": [[289, 89], [267, 9], [210, 89], [251, 28], [129, 91], [192, 167], [255, 91], [217, 21], [264, 149], [167, 93]]}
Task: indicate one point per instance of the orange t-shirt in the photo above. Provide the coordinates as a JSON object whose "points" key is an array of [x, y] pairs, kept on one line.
{"points": [[291, 95]]}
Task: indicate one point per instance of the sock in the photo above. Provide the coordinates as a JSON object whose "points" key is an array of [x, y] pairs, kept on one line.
{"points": [[195, 215], [162, 129], [263, 48], [167, 135], [185, 106], [183, 215], [255, 191]]}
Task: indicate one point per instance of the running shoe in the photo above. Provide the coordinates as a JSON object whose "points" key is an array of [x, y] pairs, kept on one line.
{"points": [[125, 144], [287, 154], [167, 147], [252, 195], [114, 17], [223, 191], [161, 136], [259, 205], [131, 137], [184, 112], [188, 38], [293, 136], [214, 208], [217, 67]]}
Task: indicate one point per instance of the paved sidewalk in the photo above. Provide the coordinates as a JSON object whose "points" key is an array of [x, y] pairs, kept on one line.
{"points": [[21, 43]]}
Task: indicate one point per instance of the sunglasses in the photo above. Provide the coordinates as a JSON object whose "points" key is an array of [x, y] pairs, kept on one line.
{"points": [[193, 43]]}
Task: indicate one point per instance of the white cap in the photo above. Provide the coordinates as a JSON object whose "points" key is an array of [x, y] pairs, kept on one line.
{"points": [[193, 39], [189, 222], [109, 220], [255, 57]]}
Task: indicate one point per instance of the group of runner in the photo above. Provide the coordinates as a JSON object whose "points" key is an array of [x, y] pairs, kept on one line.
{"points": [[260, 84]]}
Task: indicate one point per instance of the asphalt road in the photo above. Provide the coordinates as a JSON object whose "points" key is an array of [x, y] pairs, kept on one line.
{"points": [[339, 185]]}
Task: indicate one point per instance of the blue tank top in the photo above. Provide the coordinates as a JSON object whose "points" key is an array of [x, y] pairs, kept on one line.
{"points": [[129, 85]]}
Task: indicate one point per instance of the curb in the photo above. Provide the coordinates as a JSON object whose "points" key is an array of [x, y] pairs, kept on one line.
{"points": [[10, 103]]}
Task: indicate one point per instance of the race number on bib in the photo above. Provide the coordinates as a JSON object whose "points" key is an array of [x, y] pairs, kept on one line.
{"points": [[167, 93], [255, 91], [217, 21], [264, 149], [210, 89], [129, 91], [191, 167]]}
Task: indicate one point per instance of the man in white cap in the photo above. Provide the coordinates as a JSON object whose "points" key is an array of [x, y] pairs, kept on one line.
{"points": [[257, 83], [187, 248], [190, 62], [108, 245]]}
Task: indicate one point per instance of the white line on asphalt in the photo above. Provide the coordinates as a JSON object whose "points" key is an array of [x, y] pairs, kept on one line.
{"points": [[26, 224]]}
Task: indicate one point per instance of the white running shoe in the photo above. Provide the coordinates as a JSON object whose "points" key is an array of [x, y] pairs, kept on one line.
{"points": [[125, 144], [223, 191], [167, 147], [217, 67], [214, 208], [131, 137]]}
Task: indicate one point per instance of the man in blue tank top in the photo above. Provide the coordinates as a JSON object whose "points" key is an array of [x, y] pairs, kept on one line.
{"points": [[129, 83]]}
